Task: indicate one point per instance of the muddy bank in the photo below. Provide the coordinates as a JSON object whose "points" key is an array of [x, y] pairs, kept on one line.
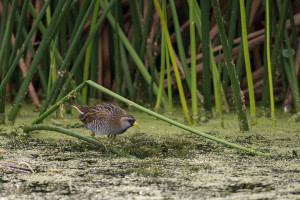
{"points": [[169, 163]]}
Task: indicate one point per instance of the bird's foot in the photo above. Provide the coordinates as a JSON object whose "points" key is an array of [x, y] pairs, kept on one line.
{"points": [[112, 137], [98, 139]]}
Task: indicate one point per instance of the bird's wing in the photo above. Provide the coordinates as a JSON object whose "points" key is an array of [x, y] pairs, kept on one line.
{"points": [[111, 109]]}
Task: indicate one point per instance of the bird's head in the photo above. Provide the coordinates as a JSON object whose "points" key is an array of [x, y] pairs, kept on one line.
{"points": [[128, 121]]}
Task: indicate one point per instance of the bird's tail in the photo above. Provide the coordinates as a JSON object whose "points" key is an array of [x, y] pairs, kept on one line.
{"points": [[81, 109]]}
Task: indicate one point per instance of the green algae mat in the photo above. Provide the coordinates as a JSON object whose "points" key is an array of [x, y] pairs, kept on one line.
{"points": [[168, 162]]}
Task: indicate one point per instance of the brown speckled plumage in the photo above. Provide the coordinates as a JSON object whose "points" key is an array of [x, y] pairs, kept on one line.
{"points": [[105, 118]]}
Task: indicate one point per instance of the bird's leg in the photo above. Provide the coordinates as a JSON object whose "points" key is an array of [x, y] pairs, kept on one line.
{"points": [[111, 137], [98, 139]]}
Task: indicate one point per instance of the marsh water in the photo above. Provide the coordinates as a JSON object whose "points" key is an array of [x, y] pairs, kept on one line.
{"points": [[168, 163]]}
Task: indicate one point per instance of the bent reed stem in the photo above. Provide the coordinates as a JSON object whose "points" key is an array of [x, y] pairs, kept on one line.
{"points": [[73, 134], [141, 108]]}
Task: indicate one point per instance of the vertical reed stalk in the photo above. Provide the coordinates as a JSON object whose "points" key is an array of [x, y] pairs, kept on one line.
{"points": [[3, 19], [132, 52], [61, 9], [4, 55], [79, 57], [231, 35], [162, 70], [238, 96], [247, 63], [240, 59], [177, 76], [52, 68], [61, 79], [269, 63], [162, 62], [180, 44], [22, 50], [89, 52], [193, 65], [279, 37], [118, 75], [290, 68], [291, 73], [206, 53], [169, 81], [126, 69]]}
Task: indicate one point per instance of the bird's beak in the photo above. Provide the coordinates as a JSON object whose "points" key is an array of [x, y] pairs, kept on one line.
{"points": [[136, 124]]}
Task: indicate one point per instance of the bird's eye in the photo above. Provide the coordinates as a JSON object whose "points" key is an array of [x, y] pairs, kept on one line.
{"points": [[131, 121]]}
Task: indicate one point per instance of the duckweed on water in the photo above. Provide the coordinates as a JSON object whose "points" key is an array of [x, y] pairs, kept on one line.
{"points": [[169, 163]]}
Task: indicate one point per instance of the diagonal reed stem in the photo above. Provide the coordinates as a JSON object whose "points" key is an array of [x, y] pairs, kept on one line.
{"points": [[141, 108], [55, 23]]}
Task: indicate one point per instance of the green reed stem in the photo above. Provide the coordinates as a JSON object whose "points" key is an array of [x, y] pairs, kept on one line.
{"points": [[180, 44], [170, 121], [94, 66], [23, 48], [219, 97], [133, 53], [170, 97], [126, 69], [217, 86], [41, 73], [21, 22], [137, 34], [269, 63], [290, 69], [69, 96], [293, 26], [279, 37], [291, 74], [89, 51], [57, 89], [141, 47], [231, 35], [61, 9], [116, 45], [4, 54], [193, 65], [7, 33], [79, 57], [247, 63], [141, 108], [29, 128], [136, 21], [52, 68], [239, 99], [162, 62], [212, 66], [205, 52], [3, 19], [162, 71], [240, 59], [43, 29], [12, 54], [177, 75]]}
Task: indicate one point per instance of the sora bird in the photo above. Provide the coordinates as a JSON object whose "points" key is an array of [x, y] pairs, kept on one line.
{"points": [[105, 119]]}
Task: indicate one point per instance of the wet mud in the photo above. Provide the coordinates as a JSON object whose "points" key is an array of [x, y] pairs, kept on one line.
{"points": [[168, 163]]}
